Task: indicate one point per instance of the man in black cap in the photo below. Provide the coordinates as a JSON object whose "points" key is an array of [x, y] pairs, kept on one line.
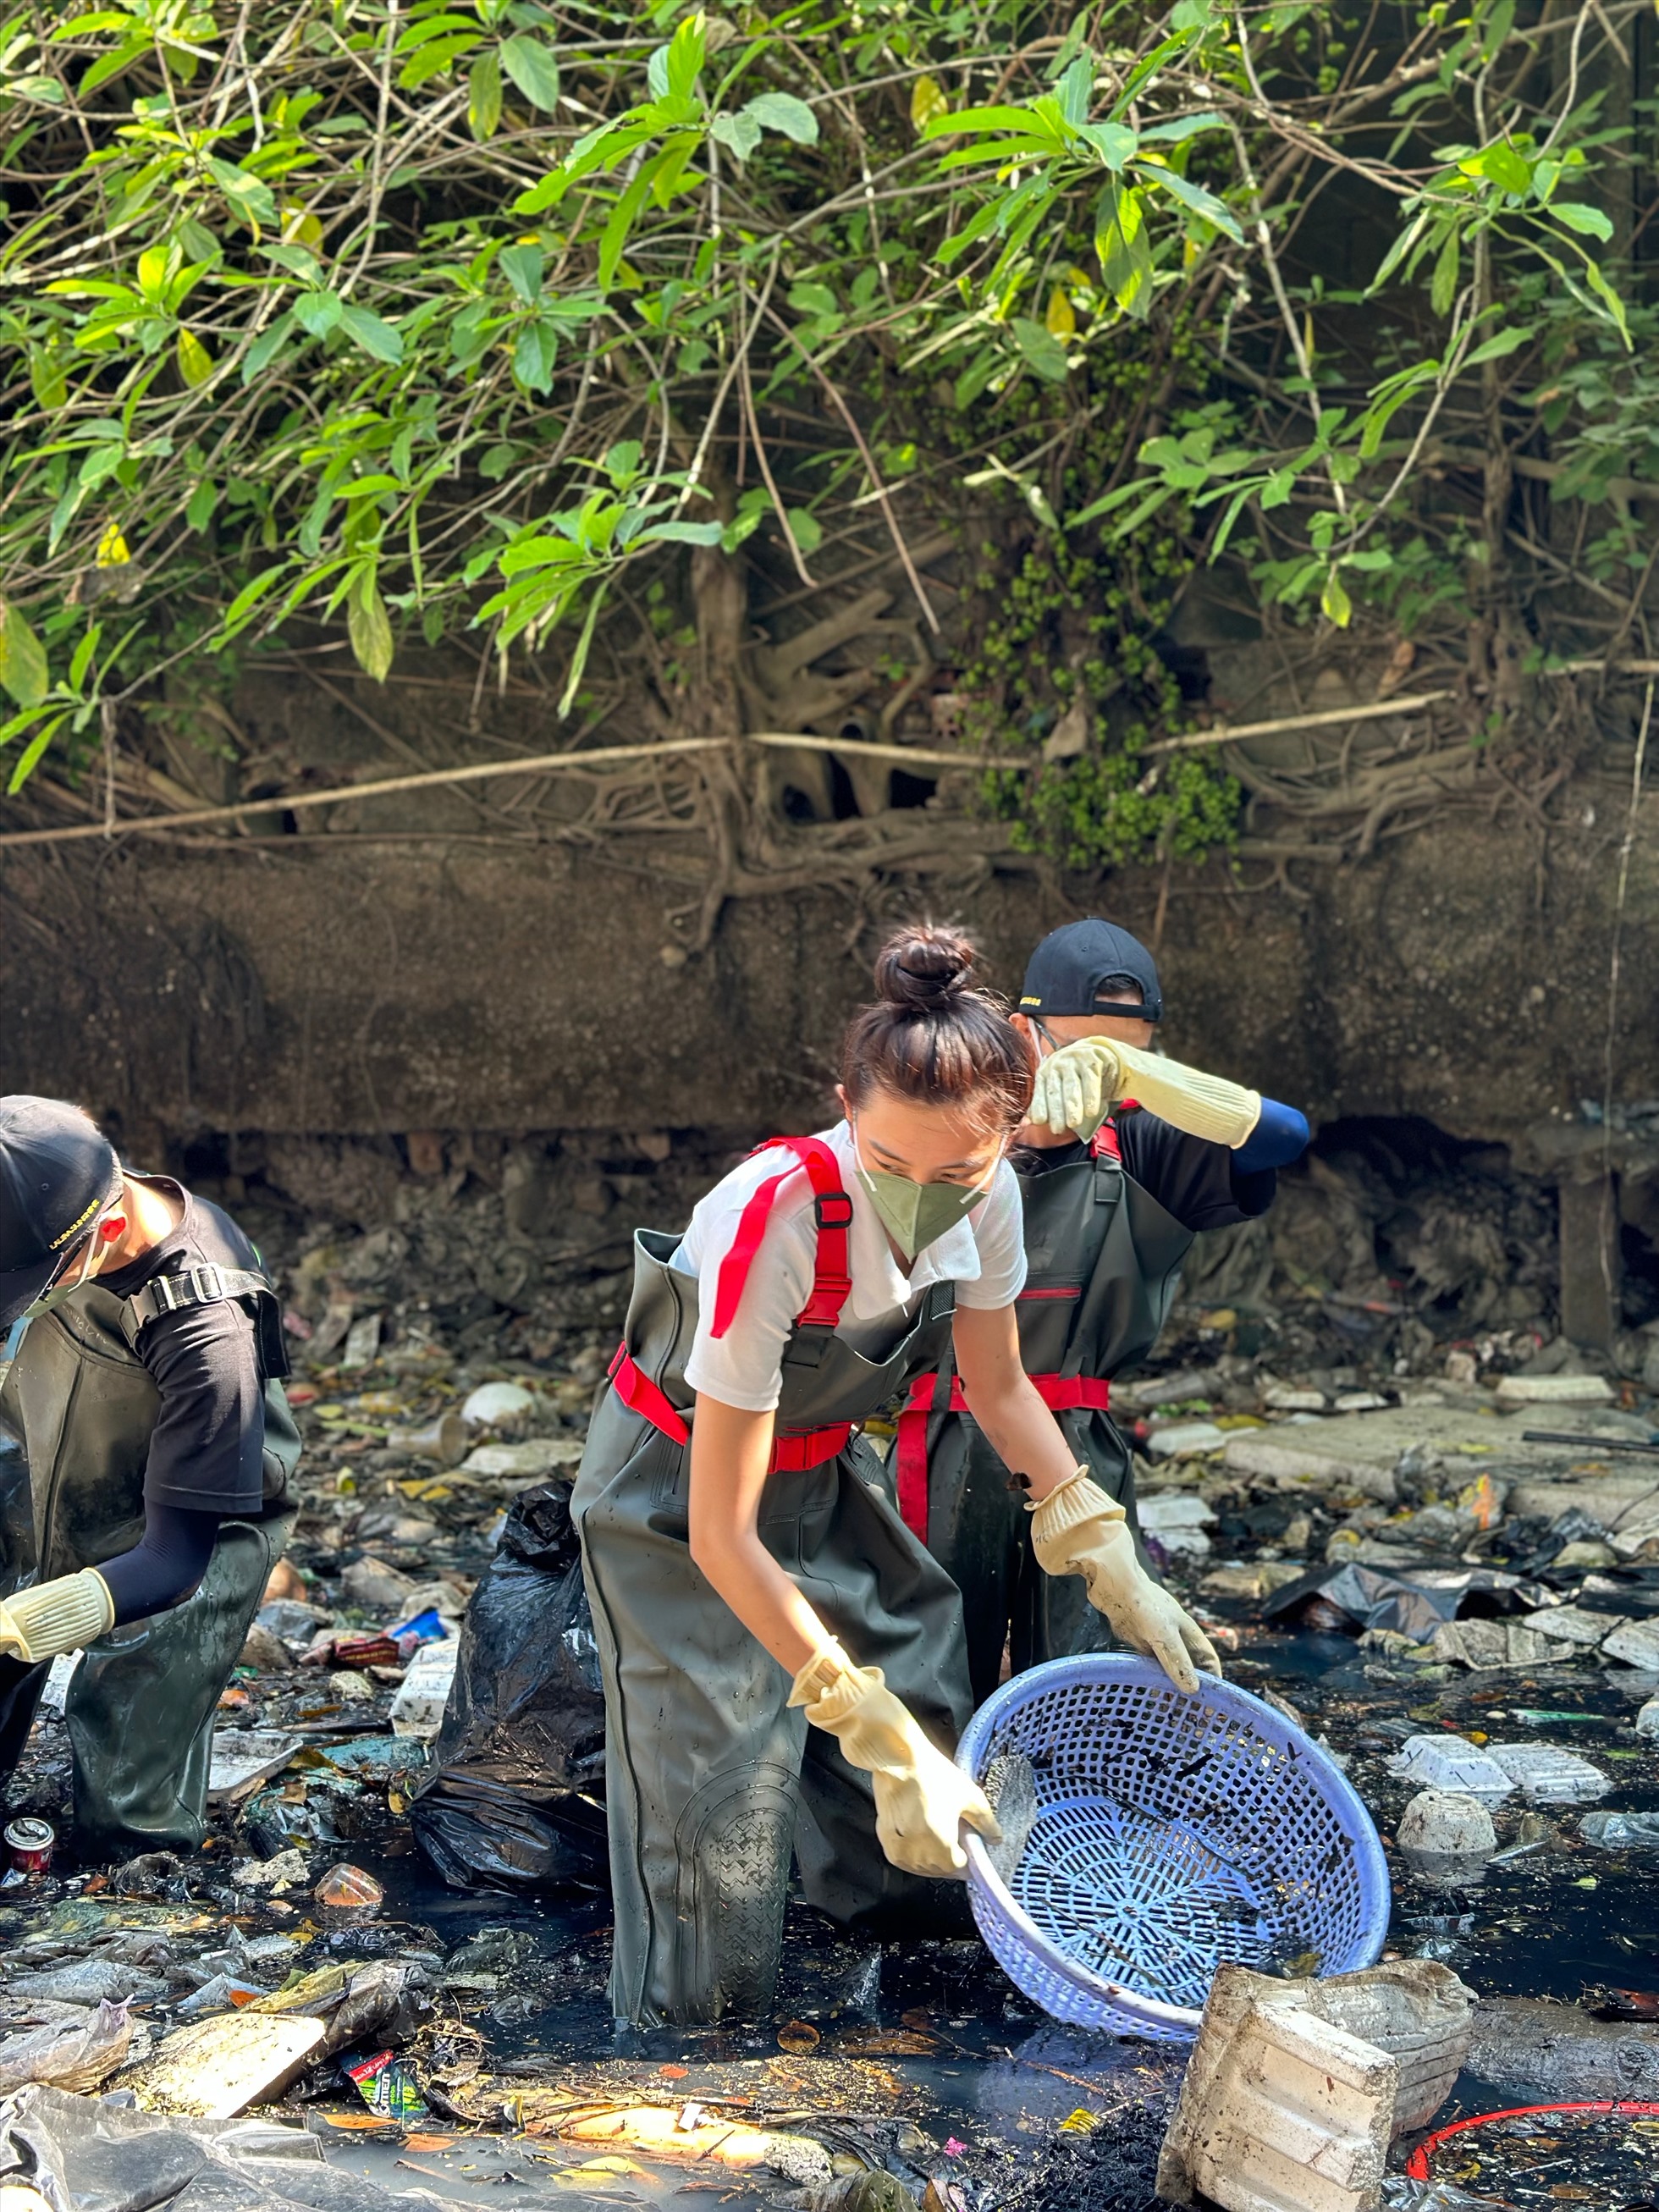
{"points": [[1126, 1156], [146, 1450]]}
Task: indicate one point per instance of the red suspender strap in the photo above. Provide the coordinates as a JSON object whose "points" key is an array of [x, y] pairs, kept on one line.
{"points": [[833, 1209], [1061, 1393], [643, 1396], [794, 1455]]}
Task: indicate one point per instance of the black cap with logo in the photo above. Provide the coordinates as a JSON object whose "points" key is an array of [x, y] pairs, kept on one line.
{"points": [[1068, 968], [58, 1171]]}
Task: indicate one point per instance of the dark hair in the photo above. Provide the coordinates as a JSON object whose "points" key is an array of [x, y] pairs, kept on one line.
{"points": [[935, 1035], [1114, 987]]}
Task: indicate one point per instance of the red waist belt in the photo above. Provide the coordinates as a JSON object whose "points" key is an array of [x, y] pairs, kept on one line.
{"points": [[1061, 1393], [792, 1454]]}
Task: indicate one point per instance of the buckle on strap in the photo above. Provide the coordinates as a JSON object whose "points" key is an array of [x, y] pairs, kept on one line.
{"points": [[201, 1285], [833, 1209]]}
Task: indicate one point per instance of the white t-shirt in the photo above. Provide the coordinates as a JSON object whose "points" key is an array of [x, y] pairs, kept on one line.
{"points": [[984, 1255]]}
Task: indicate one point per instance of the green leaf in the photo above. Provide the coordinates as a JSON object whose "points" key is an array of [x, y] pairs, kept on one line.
{"points": [[522, 267], [1042, 351], [195, 361], [23, 671], [1496, 348], [368, 331], [47, 380], [810, 299], [740, 132], [265, 348], [533, 68], [1113, 141], [33, 751], [690, 533], [237, 613], [80, 660], [1335, 601], [620, 222], [1442, 288], [1588, 221], [318, 313], [1125, 256], [534, 352], [369, 626], [484, 97], [198, 509], [783, 113], [1202, 203], [1500, 165], [1184, 126], [249, 197], [805, 528]]}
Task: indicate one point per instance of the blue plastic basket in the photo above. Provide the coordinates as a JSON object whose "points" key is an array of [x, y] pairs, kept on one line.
{"points": [[1173, 1834]]}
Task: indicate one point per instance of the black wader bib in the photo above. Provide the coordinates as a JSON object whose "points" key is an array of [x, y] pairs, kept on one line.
{"points": [[1103, 1256], [81, 1405], [710, 1778]]}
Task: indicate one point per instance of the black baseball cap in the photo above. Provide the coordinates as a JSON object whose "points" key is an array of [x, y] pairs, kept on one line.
{"points": [[57, 1172], [1071, 964]]}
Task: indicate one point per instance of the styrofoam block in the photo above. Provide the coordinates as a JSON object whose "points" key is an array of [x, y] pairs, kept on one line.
{"points": [[1546, 1775], [1451, 1762]]}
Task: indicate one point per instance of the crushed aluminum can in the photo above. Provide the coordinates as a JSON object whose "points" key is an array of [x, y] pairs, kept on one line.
{"points": [[29, 1844]]}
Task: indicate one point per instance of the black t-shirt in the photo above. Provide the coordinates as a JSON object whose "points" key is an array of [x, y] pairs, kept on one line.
{"points": [[207, 1451], [1190, 1177]]}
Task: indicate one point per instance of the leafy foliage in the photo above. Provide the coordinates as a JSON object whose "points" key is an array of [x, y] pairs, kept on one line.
{"points": [[439, 317]]}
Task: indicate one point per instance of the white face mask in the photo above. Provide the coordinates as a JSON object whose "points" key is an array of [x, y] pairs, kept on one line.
{"points": [[917, 1214]]}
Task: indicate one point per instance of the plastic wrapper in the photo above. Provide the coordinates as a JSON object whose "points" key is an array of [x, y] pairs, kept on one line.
{"points": [[1412, 1604], [515, 1797]]}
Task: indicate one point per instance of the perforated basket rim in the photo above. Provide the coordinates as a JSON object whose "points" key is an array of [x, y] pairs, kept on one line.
{"points": [[1112, 1669]]}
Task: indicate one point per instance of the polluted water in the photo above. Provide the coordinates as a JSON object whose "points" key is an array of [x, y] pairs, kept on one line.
{"points": [[391, 1953]]}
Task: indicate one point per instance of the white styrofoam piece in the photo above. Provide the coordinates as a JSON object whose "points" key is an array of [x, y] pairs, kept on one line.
{"points": [[1546, 1774], [418, 1707], [1451, 1762]]}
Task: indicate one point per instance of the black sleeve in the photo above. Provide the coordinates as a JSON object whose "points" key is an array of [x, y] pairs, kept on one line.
{"points": [[1197, 1182], [163, 1570], [207, 1451]]}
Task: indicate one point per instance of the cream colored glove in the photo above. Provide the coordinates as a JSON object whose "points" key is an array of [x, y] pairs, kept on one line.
{"points": [[922, 1798], [55, 1616], [1078, 1531], [1079, 1084]]}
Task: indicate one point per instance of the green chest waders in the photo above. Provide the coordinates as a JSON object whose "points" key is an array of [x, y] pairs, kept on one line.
{"points": [[82, 1406], [1102, 1256], [710, 1778]]}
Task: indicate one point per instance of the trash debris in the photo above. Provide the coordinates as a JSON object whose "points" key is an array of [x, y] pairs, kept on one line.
{"points": [[77, 2055], [1279, 2108], [1548, 2050], [417, 1710], [496, 1405], [217, 2068], [1011, 1789], [1621, 1831], [1452, 1765], [660, 2130], [387, 2086], [347, 1888], [1443, 1824], [515, 1797], [243, 1759], [1546, 1775], [1178, 1520], [1414, 1605]]}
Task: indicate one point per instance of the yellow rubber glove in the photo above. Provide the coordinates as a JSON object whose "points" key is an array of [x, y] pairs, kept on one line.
{"points": [[1077, 1085], [55, 1616], [1078, 1531], [922, 1798]]}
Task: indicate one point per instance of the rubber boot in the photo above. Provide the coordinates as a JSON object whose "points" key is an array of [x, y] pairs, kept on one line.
{"points": [[141, 1704]]}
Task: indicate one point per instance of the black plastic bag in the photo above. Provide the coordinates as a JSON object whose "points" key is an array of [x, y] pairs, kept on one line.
{"points": [[1414, 1602], [515, 1796]]}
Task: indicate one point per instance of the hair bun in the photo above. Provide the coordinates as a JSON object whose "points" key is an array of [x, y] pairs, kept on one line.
{"points": [[925, 968]]}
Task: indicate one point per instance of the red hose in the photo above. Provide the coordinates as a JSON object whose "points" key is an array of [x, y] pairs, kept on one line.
{"points": [[1417, 2167]]}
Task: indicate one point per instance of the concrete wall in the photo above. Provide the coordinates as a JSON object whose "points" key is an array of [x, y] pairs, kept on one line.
{"points": [[323, 985]]}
